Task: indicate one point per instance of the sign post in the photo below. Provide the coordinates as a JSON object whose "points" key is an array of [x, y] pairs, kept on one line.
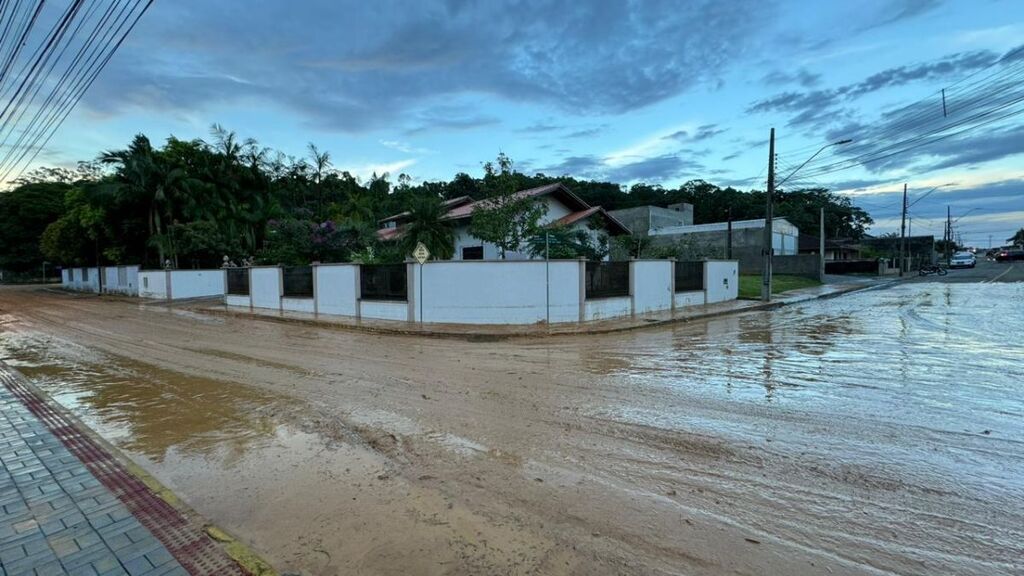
{"points": [[421, 254]]}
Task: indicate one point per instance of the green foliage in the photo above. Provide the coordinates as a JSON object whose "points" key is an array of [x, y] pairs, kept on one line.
{"points": [[1017, 239], [426, 224], [194, 201], [506, 219], [25, 212], [563, 242]]}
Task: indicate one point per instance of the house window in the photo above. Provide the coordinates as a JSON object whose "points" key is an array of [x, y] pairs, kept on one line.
{"points": [[473, 253]]}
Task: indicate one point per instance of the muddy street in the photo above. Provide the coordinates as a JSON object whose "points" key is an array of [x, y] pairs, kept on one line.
{"points": [[875, 433]]}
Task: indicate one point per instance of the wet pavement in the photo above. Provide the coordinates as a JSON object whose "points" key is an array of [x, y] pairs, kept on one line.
{"points": [[67, 508], [879, 432]]}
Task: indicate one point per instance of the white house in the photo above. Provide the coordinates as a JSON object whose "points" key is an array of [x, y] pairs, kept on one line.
{"points": [[563, 209]]}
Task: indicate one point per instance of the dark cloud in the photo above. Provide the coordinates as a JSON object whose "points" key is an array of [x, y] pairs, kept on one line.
{"points": [[652, 170], [540, 128], [802, 77], [823, 107], [355, 66], [894, 11], [703, 132], [587, 132]]}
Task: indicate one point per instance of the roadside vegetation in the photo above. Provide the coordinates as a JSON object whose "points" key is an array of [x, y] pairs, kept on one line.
{"points": [[750, 284], [191, 202]]}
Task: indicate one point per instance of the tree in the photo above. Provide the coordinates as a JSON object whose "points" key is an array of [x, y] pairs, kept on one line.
{"points": [[1017, 239], [506, 218], [25, 212], [426, 224], [563, 242]]}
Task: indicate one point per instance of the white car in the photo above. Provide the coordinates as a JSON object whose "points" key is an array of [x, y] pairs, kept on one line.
{"points": [[963, 260]]}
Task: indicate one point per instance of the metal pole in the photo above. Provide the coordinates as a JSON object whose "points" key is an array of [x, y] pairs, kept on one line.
{"points": [[766, 250], [949, 233]]}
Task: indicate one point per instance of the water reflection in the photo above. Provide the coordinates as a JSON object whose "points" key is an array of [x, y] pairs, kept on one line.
{"points": [[143, 408]]}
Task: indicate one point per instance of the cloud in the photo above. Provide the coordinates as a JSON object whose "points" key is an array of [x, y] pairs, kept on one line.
{"points": [[405, 147], [655, 169], [894, 11], [356, 67], [802, 77], [817, 108], [703, 132]]}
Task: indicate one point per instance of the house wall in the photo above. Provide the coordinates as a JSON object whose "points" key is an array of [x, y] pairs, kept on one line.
{"points": [[497, 292], [265, 287], [721, 280], [336, 289], [652, 285]]}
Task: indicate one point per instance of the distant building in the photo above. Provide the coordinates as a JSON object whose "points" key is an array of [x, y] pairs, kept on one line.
{"points": [[747, 235], [835, 249], [643, 219], [563, 209]]}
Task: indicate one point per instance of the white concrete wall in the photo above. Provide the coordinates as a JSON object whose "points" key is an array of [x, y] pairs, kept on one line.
{"points": [[153, 284], [236, 300], [196, 283], [500, 292], [693, 298], [383, 310], [721, 278], [265, 287], [77, 283], [112, 280], [336, 289], [298, 304], [605, 308], [652, 285]]}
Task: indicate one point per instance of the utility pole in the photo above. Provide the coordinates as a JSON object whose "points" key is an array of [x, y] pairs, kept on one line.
{"points": [[903, 233], [728, 236], [949, 232], [766, 250], [821, 247]]}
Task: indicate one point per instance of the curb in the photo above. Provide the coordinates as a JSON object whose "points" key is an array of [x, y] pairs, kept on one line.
{"points": [[224, 311]]}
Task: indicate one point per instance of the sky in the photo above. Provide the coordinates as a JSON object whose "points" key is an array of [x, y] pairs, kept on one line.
{"points": [[627, 91]]}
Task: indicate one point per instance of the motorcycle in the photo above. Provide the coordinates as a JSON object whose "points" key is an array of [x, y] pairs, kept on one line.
{"points": [[928, 269]]}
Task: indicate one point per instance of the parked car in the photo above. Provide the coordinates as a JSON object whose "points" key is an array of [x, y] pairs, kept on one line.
{"points": [[1009, 255], [963, 260]]}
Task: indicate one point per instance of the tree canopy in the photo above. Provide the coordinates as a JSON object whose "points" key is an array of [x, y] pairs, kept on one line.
{"points": [[193, 201]]}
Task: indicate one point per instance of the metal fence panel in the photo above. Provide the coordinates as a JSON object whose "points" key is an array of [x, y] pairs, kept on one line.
{"points": [[689, 276], [383, 282], [238, 281], [607, 279], [297, 281]]}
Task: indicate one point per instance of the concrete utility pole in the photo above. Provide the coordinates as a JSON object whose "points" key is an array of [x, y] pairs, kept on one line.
{"points": [[949, 233], [903, 233], [766, 250], [728, 236]]}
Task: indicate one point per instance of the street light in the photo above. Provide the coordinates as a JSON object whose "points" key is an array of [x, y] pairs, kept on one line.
{"points": [[820, 150], [767, 251]]}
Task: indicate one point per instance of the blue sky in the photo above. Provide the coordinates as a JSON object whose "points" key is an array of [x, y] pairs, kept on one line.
{"points": [[655, 91]]}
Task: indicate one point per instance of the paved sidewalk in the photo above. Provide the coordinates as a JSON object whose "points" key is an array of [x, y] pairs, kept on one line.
{"points": [[68, 507]]}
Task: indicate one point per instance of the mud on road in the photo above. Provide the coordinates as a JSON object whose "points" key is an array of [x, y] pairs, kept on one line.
{"points": [[875, 433]]}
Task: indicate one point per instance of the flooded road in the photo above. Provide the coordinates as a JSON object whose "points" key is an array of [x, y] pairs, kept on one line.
{"points": [[876, 433]]}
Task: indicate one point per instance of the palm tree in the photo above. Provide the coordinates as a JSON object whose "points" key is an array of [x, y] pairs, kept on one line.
{"points": [[426, 224]]}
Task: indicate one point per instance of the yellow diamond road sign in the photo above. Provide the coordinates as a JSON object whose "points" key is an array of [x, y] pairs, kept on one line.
{"points": [[420, 253]]}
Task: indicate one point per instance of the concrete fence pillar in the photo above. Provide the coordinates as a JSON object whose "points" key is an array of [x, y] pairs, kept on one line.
{"points": [[316, 293], [167, 282], [357, 291], [410, 290]]}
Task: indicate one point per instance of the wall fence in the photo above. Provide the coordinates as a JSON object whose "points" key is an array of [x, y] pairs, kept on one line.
{"points": [[459, 291], [115, 279]]}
